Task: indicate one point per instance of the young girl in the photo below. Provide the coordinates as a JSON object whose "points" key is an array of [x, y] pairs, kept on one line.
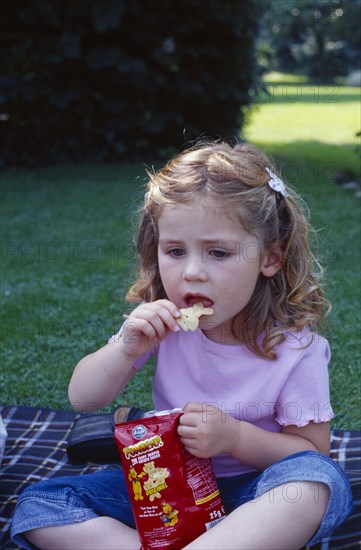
{"points": [[218, 227]]}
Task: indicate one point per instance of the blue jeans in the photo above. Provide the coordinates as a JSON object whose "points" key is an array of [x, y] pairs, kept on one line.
{"points": [[66, 500]]}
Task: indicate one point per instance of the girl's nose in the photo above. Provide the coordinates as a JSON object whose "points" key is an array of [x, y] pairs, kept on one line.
{"points": [[195, 270]]}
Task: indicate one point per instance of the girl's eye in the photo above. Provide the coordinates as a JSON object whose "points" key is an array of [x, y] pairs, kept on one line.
{"points": [[219, 254], [176, 252]]}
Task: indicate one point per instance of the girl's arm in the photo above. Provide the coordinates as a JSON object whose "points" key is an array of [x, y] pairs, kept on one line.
{"points": [[260, 448], [210, 433], [101, 376]]}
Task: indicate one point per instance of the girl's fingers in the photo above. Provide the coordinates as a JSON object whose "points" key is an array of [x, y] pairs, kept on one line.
{"points": [[149, 324], [187, 432], [195, 407], [189, 445], [160, 315], [135, 326], [167, 312], [172, 308]]}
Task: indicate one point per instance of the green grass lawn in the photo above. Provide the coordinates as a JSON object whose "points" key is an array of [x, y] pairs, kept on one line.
{"points": [[67, 257], [67, 253]]}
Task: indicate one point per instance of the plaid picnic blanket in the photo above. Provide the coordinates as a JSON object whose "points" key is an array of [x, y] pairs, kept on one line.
{"points": [[36, 449]]}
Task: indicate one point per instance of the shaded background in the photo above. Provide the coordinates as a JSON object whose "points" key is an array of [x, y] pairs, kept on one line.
{"points": [[114, 80], [108, 80]]}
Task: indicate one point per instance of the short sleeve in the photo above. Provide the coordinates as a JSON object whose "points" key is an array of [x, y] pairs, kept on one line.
{"points": [[305, 396], [142, 359]]}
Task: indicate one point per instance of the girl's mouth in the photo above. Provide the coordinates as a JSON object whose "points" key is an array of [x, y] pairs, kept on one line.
{"points": [[190, 299]]}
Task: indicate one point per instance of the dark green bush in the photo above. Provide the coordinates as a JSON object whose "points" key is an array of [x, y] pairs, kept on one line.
{"points": [[112, 80]]}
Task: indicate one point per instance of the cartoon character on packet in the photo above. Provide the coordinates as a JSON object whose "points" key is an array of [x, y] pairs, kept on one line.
{"points": [[170, 516], [137, 487]]}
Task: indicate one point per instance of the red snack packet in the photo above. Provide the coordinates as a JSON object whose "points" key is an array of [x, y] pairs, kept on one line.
{"points": [[174, 494]]}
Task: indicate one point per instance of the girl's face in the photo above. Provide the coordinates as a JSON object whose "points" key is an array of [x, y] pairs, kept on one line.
{"points": [[206, 256]]}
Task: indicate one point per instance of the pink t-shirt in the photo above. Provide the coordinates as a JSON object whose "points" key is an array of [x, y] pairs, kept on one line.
{"points": [[293, 389]]}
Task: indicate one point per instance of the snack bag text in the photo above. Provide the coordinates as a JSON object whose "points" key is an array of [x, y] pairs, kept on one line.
{"points": [[174, 494]]}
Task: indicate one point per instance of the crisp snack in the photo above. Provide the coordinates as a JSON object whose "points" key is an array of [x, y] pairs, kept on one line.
{"points": [[174, 495], [190, 316]]}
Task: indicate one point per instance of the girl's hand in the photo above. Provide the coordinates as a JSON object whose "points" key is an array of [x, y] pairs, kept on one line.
{"points": [[148, 325], [206, 431]]}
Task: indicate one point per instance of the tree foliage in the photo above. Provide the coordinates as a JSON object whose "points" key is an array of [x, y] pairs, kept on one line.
{"points": [[106, 81], [320, 38]]}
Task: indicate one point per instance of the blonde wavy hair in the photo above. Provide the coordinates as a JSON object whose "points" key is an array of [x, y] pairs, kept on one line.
{"points": [[235, 176]]}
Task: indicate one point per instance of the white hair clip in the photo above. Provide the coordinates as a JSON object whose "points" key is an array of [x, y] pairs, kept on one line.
{"points": [[276, 183]]}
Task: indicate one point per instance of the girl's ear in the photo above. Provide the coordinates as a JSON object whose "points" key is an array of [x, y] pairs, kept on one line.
{"points": [[272, 260]]}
